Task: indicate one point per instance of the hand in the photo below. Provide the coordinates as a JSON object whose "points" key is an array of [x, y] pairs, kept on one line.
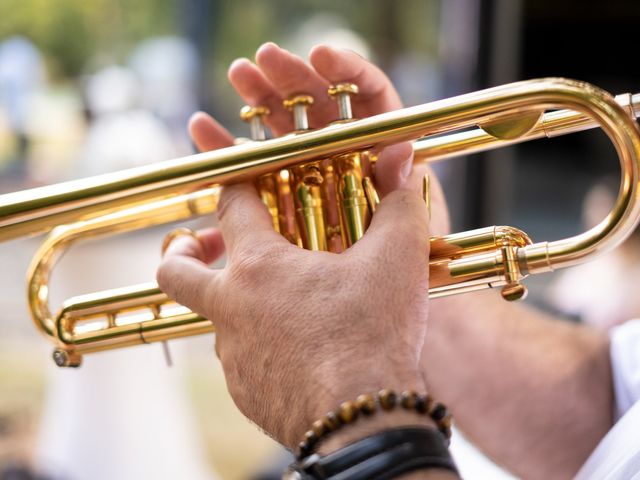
{"points": [[298, 332], [277, 74]]}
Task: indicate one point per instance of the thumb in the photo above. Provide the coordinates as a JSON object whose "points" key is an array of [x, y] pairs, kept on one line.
{"points": [[401, 220], [184, 275], [393, 167]]}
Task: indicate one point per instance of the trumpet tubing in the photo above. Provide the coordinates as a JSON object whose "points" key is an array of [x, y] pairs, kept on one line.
{"points": [[318, 188]]}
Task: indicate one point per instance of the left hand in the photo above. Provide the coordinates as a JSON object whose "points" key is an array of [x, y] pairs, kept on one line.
{"points": [[298, 331]]}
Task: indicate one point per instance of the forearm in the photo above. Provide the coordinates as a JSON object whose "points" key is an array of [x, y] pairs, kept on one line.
{"points": [[535, 393]]}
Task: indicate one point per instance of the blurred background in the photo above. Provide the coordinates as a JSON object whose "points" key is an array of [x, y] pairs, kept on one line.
{"points": [[92, 87]]}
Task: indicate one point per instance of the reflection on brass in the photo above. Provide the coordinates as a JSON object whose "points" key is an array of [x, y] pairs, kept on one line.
{"points": [[355, 213], [426, 192], [298, 105], [512, 127], [317, 186], [342, 94], [268, 189], [370, 192], [254, 116]]}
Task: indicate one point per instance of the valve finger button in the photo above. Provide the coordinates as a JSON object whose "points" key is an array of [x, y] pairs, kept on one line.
{"points": [[299, 104], [254, 116], [342, 93]]}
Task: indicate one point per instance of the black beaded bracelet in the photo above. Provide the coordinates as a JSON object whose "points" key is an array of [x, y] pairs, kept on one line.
{"points": [[367, 404]]}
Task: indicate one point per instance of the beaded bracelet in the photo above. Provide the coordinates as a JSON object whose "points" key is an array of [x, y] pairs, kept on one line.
{"points": [[368, 404]]}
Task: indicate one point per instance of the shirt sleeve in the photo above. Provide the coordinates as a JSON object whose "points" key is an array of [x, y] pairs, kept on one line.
{"points": [[625, 365]]}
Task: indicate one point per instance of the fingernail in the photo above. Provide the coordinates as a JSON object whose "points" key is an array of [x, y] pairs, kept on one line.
{"points": [[239, 61], [269, 45], [353, 52], [201, 114], [264, 47]]}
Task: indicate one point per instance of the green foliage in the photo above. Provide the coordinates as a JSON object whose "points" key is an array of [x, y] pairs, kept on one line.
{"points": [[69, 32], [72, 33]]}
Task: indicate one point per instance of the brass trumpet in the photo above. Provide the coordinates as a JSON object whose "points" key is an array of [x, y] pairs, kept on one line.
{"points": [[317, 186]]}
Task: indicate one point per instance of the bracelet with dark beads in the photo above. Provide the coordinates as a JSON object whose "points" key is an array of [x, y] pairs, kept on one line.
{"points": [[366, 405]]}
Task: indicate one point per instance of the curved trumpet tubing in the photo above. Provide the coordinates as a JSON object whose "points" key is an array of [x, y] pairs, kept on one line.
{"points": [[490, 257]]}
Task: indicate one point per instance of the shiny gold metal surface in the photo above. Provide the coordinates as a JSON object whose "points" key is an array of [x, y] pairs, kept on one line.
{"points": [[254, 116], [298, 105], [323, 178], [342, 94]]}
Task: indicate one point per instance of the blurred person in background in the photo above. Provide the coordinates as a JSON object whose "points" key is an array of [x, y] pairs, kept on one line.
{"points": [[22, 75], [121, 134], [168, 69], [124, 415], [44, 124]]}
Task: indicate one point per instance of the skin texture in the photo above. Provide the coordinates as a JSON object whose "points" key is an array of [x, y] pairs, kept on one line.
{"points": [[298, 332], [257, 325]]}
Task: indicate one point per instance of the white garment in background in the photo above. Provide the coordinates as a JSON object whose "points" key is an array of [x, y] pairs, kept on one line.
{"points": [[122, 416], [617, 457]]}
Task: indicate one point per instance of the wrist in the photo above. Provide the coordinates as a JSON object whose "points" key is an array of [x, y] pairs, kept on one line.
{"points": [[388, 448], [381, 403], [328, 396], [374, 424]]}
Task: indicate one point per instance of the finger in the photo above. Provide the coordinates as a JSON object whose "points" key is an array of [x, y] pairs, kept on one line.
{"points": [[290, 75], [256, 90], [208, 247], [393, 167], [211, 244], [400, 223], [185, 278], [244, 219], [207, 133], [376, 92]]}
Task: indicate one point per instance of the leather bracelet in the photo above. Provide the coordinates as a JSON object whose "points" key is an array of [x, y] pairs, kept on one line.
{"points": [[382, 456], [366, 405]]}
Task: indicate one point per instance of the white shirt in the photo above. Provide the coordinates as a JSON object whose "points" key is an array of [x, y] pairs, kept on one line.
{"points": [[617, 457]]}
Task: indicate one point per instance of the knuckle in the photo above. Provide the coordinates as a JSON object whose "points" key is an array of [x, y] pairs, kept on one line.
{"points": [[414, 216], [252, 264], [218, 303], [172, 283], [165, 274], [233, 197]]}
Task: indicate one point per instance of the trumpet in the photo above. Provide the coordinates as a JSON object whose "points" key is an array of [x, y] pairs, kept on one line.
{"points": [[318, 188]]}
